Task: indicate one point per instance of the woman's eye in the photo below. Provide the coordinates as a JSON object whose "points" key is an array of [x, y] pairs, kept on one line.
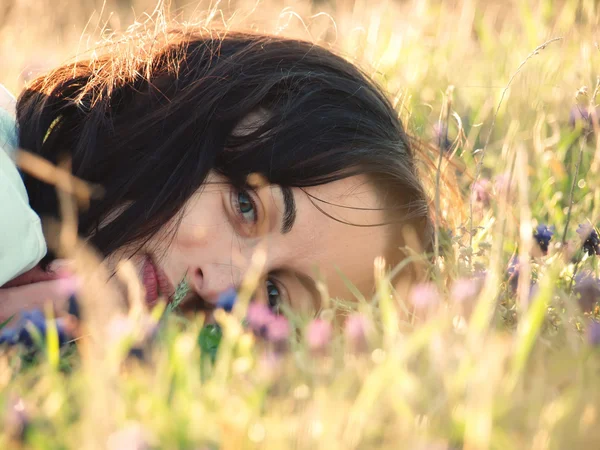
{"points": [[245, 206], [273, 296]]}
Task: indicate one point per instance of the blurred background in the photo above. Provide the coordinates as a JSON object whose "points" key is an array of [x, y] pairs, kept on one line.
{"points": [[417, 45], [417, 48]]}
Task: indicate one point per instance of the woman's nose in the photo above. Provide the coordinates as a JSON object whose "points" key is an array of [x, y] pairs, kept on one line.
{"points": [[212, 280]]}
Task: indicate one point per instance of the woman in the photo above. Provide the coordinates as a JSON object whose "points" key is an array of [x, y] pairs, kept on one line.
{"points": [[173, 130]]}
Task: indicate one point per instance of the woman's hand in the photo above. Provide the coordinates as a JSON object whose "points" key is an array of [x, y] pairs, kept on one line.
{"points": [[36, 296], [54, 289]]}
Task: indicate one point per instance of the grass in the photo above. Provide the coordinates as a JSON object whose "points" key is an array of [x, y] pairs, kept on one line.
{"points": [[500, 366]]}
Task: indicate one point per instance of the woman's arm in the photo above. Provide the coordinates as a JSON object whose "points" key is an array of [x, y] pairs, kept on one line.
{"points": [[36, 296]]}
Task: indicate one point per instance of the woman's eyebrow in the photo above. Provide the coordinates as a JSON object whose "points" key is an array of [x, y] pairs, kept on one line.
{"points": [[289, 210]]}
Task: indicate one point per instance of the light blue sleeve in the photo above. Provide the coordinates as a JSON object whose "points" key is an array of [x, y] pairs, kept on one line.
{"points": [[22, 243], [8, 135]]}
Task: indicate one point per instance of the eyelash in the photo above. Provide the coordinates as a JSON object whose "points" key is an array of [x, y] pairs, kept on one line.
{"points": [[234, 199], [274, 282]]}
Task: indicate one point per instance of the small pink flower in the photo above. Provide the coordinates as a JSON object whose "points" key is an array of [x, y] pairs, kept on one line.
{"points": [[318, 335], [258, 317], [481, 191], [278, 333], [424, 296], [356, 331], [466, 290], [132, 437], [502, 184]]}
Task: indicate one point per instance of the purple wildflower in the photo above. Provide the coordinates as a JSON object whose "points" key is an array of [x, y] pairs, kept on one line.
{"points": [[258, 318], [593, 333], [278, 333], [590, 239], [22, 332], [543, 235], [356, 331], [35, 319], [481, 191], [466, 290], [424, 296], [318, 335], [587, 289], [227, 299], [580, 116]]}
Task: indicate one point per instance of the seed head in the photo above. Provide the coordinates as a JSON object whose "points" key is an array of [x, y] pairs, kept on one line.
{"points": [[440, 132]]}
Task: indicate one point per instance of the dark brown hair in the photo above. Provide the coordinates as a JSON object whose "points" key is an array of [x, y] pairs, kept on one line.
{"points": [[148, 123]]}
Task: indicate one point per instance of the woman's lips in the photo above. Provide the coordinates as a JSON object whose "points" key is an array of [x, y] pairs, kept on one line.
{"points": [[155, 282]]}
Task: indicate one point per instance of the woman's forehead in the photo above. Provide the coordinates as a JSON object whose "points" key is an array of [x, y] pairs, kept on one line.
{"points": [[353, 199], [335, 232]]}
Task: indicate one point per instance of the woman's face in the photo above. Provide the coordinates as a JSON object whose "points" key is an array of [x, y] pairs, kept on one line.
{"points": [[221, 228]]}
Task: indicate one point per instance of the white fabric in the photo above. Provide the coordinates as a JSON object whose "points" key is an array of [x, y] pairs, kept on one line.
{"points": [[22, 243]]}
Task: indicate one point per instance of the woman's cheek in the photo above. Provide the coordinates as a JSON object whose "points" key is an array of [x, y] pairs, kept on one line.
{"points": [[204, 226], [191, 236]]}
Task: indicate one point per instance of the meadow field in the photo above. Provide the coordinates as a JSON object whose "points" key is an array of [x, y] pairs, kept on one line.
{"points": [[500, 350]]}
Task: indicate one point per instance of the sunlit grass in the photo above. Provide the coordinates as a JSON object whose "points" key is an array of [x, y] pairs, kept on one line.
{"points": [[490, 364]]}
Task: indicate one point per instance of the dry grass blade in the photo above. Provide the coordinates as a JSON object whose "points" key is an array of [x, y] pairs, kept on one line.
{"points": [[61, 178], [444, 118], [489, 135]]}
